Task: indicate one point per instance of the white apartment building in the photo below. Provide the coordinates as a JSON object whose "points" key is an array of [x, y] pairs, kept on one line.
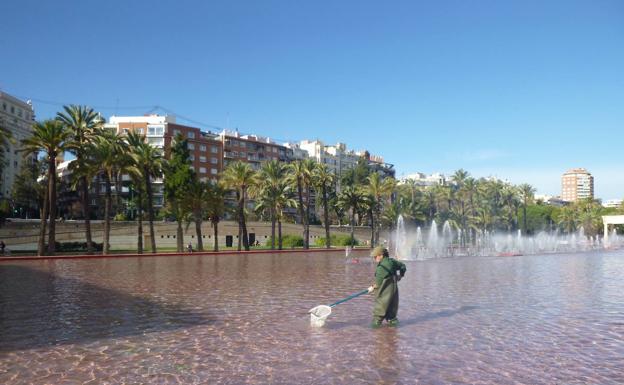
{"points": [[17, 117], [422, 179], [612, 203], [576, 184]]}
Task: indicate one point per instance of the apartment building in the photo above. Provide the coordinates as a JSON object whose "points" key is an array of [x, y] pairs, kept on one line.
{"points": [[17, 117], [251, 149], [576, 184]]}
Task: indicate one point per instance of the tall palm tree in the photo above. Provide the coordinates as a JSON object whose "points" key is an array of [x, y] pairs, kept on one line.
{"points": [[82, 122], [309, 165], [351, 199], [135, 141], [195, 201], [527, 193], [50, 137], [149, 162], [324, 180], [297, 171], [283, 200], [107, 152], [267, 191], [378, 189], [239, 176], [215, 209]]}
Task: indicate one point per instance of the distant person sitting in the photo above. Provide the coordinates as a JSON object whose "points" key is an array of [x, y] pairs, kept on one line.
{"points": [[190, 247], [2, 247]]}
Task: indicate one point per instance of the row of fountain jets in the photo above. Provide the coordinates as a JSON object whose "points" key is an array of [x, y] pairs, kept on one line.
{"points": [[412, 244]]}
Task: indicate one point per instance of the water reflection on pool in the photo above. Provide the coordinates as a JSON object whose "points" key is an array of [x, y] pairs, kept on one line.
{"points": [[543, 319]]}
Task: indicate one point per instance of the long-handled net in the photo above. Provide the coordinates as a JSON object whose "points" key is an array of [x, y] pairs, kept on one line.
{"points": [[319, 314]]}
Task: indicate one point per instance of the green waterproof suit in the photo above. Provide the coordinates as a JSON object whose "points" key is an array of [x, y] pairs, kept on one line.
{"points": [[387, 289]]}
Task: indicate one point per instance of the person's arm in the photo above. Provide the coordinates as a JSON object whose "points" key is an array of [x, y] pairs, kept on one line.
{"points": [[401, 267]]}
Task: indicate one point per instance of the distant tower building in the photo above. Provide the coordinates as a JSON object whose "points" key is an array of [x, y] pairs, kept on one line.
{"points": [[17, 117], [577, 184]]}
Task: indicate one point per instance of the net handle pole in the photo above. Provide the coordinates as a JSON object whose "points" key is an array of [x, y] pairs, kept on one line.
{"points": [[349, 298]]}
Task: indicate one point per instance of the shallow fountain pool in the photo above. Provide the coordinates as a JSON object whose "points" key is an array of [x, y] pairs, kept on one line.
{"points": [[540, 319]]}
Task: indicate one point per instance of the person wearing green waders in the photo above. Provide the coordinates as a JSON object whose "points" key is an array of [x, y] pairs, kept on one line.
{"points": [[386, 288]]}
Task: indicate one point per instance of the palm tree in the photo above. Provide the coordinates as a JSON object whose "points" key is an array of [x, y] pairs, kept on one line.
{"points": [[50, 137], [324, 180], [239, 176], [215, 209], [378, 189], [267, 191], [351, 199], [106, 154], [82, 122], [301, 177], [149, 163], [296, 175], [195, 201], [283, 200], [526, 192], [135, 141], [567, 219]]}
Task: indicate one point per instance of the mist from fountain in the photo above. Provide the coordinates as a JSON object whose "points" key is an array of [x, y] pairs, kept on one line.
{"points": [[432, 242]]}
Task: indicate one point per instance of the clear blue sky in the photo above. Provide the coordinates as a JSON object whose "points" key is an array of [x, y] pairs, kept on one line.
{"points": [[521, 90]]}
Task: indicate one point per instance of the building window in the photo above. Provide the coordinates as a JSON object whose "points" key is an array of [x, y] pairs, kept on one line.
{"points": [[156, 141], [214, 149], [4, 106], [202, 158], [202, 170], [176, 132], [202, 147], [12, 109], [191, 135], [154, 130], [139, 131], [214, 160], [214, 171], [192, 157], [191, 146]]}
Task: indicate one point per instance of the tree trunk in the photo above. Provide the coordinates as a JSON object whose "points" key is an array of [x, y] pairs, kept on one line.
{"points": [[301, 206], [179, 235], [306, 232], [198, 232], [215, 225], [44, 224], [352, 228], [140, 222], [272, 229], [86, 213], [52, 197], [524, 219], [279, 234], [150, 210], [107, 212], [326, 215], [243, 226], [372, 221]]}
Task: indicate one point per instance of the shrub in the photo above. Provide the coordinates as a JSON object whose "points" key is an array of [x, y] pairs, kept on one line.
{"points": [[288, 241], [337, 240], [76, 246]]}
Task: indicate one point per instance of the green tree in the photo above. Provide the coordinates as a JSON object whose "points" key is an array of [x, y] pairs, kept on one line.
{"points": [[149, 163], [196, 201], [178, 177], [324, 181], [379, 190], [351, 199], [107, 152], [82, 123], [267, 191], [527, 193], [49, 137], [215, 209], [239, 176]]}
